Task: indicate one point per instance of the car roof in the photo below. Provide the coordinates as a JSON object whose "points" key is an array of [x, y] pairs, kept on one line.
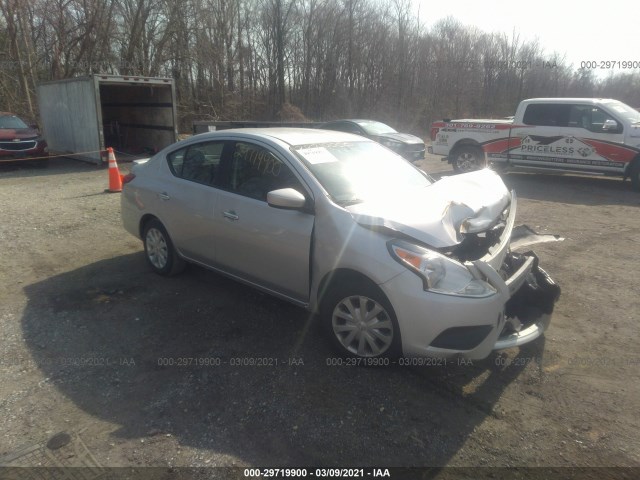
{"points": [[7, 114], [571, 100], [353, 120], [291, 136]]}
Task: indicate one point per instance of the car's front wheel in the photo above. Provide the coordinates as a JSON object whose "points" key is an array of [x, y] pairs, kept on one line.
{"points": [[159, 249], [361, 322]]}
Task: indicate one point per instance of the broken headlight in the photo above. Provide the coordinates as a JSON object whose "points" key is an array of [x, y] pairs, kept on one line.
{"points": [[439, 274]]}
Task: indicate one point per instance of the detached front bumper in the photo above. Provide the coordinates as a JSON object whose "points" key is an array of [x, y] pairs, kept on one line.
{"points": [[529, 292], [532, 297], [438, 325]]}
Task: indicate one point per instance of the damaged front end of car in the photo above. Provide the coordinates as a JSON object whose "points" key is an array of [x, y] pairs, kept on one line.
{"points": [[480, 294], [528, 291]]}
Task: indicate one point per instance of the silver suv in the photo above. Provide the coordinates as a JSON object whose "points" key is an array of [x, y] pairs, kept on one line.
{"points": [[393, 262]]}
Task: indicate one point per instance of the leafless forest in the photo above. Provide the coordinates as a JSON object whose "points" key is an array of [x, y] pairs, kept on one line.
{"points": [[289, 59]]}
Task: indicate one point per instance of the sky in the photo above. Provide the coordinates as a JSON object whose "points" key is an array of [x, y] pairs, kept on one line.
{"points": [[584, 31]]}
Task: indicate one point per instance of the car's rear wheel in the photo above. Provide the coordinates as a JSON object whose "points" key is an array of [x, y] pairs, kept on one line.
{"points": [[159, 249], [361, 322], [467, 159]]}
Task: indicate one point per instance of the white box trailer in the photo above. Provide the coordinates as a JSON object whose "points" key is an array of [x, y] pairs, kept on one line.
{"points": [[80, 117]]}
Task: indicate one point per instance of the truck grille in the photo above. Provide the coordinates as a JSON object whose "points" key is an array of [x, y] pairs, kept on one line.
{"points": [[18, 146]]}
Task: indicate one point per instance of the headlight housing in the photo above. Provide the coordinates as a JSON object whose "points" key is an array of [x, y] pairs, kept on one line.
{"points": [[392, 144], [439, 274]]}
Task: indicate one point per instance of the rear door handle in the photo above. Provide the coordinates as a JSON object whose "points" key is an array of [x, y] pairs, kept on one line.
{"points": [[164, 196], [231, 215]]}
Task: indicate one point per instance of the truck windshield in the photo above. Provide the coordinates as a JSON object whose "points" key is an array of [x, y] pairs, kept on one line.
{"points": [[625, 111], [355, 172], [12, 122]]}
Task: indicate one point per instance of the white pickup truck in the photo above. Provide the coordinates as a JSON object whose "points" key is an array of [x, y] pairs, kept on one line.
{"points": [[586, 135]]}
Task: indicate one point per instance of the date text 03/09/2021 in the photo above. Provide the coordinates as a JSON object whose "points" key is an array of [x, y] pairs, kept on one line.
{"points": [[232, 362], [317, 472], [401, 362]]}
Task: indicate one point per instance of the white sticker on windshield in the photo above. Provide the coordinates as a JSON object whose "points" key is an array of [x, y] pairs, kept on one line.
{"points": [[317, 155]]}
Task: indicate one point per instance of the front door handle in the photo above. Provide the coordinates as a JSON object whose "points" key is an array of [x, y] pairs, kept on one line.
{"points": [[164, 196], [231, 215]]}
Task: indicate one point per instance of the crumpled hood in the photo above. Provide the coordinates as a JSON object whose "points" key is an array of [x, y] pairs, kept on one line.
{"points": [[433, 215], [21, 133], [401, 137]]}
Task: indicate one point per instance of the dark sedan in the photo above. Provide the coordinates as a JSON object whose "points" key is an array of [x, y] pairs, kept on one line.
{"points": [[19, 141], [409, 146]]}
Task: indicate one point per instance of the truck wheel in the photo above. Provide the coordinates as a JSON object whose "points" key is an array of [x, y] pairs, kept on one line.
{"points": [[361, 322], [635, 176], [467, 159], [159, 249]]}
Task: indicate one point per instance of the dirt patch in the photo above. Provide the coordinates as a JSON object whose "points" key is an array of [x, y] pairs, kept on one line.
{"points": [[200, 371]]}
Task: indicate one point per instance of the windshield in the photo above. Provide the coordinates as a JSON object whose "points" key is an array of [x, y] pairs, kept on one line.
{"points": [[375, 128], [355, 172], [625, 111], [11, 121]]}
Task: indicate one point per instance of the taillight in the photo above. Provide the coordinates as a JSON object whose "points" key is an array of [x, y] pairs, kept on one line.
{"points": [[434, 132], [128, 177]]}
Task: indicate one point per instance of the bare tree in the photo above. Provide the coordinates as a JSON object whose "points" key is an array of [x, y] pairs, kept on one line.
{"points": [[236, 59]]}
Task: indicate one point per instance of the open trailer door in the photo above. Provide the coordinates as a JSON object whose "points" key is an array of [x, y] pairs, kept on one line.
{"points": [[82, 116]]}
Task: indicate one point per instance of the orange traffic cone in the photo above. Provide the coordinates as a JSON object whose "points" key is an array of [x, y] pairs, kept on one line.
{"points": [[115, 179]]}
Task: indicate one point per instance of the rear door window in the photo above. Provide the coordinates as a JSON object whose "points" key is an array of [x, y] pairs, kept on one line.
{"points": [[547, 115], [198, 162]]}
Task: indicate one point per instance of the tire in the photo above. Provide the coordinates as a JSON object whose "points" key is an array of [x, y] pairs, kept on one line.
{"points": [[635, 176], [357, 336], [159, 250], [467, 159]]}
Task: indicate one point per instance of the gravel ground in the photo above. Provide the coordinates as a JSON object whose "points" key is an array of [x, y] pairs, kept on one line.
{"points": [[92, 343]]}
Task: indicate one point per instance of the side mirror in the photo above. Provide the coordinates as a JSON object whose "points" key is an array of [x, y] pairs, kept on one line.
{"points": [[34, 126], [287, 198], [610, 125]]}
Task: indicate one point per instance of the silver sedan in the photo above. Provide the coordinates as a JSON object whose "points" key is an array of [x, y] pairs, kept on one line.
{"points": [[393, 262]]}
